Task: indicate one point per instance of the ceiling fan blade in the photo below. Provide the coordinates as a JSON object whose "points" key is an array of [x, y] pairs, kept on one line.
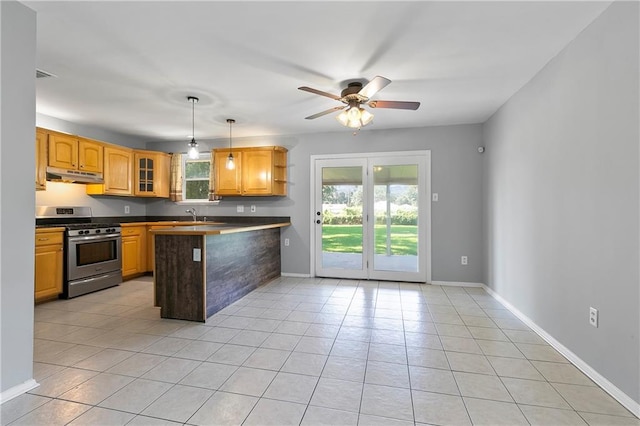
{"points": [[374, 86], [329, 111], [319, 92], [394, 104]]}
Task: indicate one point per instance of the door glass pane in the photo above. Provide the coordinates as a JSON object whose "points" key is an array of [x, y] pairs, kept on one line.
{"points": [[396, 217], [342, 218]]}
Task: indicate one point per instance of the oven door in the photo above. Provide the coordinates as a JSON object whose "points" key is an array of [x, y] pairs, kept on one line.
{"points": [[93, 255]]}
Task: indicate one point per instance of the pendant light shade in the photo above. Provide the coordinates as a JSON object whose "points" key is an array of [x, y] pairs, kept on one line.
{"points": [[193, 145], [231, 164]]}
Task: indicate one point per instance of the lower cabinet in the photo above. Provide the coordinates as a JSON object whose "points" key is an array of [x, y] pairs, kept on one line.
{"points": [[134, 251], [49, 260]]}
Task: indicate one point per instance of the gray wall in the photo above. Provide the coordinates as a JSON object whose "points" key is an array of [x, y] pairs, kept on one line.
{"points": [[562, 193], [17, 85], [456, 172]]}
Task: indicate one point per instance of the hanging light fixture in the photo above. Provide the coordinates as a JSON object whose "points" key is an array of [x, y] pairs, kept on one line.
{"points": [[231, 164], [354, 116], [193, 145]]}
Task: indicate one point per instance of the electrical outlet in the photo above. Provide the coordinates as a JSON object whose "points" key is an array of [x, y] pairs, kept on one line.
{"points": [[127, 210], [593, 317], [434, 196], [253, 208], [286, 242], [240, 209], [464, 260], [197, 255]]}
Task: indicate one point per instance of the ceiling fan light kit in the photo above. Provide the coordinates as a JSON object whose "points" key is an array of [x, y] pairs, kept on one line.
{"points": [[193, 145], [354, 96]]}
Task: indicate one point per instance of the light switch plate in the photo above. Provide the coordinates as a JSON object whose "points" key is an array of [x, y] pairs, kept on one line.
{"points": [[240, 209], [253, 208], [434, 196]]}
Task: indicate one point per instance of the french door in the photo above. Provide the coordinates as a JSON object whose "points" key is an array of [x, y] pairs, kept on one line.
{"points": [[371, 216]]}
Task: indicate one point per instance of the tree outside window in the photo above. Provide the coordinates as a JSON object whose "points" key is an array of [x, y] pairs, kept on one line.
{"points": [[196, 178]]}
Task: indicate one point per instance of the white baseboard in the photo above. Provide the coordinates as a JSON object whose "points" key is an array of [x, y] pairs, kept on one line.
{"points": [[18, 390], [290, 274], [457, 284], [600, 380]]}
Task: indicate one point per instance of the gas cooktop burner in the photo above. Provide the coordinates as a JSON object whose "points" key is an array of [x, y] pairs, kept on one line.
{"points": [[72, 226]]}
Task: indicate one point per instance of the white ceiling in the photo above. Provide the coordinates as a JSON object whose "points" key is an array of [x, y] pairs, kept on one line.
{"points": [[129, 66]]}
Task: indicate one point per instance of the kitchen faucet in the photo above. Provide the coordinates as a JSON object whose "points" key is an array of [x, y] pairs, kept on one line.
{"points": [[193, 213]]}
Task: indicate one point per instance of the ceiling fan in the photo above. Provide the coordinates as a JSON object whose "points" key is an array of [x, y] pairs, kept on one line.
{"points": [[354, 96]]}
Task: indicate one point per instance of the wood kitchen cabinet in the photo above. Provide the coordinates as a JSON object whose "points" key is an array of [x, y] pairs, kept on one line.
{"points": [[134, 251], [48, 263], [118, 173], [260, 171], [75, 153], [151, 174], [41, 159]]}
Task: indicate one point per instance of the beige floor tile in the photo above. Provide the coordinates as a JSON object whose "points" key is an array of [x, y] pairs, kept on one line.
{"points": [[314, 345], [422, 357], [439, 409], [178, 404], [387, 374], [494, 413], [232, 354], [423, 340], [562, 373], [533, 392], [543, 416], [136, 396], [350, 349], [104, 359], [369, 420], [19, 406], [387, 401], [268, 359], [460, 344], [292, 388], [97, 388], [171, 370], [277, 413], [540, 352], [53, 413], [388, 353], [485, 333], [62, 381], [284, 342], [219, 334], [345, 369], [209, 375], [303, 363], [137, 365], [481, 386], [102, 416], [433, 380], [198, 350], [151, 421], [337, 394], [501, 349], [470, 363], [166, 346], [590, 399], [248, 381], [321, 416], [514, 367], [594, 419], [524, 336], [225, 408]]}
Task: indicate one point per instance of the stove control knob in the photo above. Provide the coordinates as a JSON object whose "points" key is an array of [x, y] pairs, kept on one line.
{"points": [[97, 231]]}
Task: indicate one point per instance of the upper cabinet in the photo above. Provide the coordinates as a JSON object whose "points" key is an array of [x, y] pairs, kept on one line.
{"points": [[260, 171], [75, 153], [151, 174], [118, 173], [41, 159]]}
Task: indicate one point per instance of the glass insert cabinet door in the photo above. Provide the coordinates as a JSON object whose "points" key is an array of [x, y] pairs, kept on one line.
{"points": [[371, 218]]}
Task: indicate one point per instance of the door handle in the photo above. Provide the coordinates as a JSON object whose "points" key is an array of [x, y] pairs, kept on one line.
{"points": [[318, 213]]}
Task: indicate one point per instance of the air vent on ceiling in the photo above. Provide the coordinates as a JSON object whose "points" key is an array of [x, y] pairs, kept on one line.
{"points": [[43, 74]]}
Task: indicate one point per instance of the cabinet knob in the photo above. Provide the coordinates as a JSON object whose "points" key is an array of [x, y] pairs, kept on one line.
{"points": [[43, 239], [82, 166]]}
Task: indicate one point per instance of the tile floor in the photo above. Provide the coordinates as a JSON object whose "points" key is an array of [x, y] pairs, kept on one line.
{"points": [[303, 351]]}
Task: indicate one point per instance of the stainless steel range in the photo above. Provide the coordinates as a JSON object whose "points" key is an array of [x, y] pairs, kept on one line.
{"points": [[93, 259]]}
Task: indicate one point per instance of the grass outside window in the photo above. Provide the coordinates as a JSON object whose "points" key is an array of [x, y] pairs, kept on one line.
{"points": [[348, 239]]}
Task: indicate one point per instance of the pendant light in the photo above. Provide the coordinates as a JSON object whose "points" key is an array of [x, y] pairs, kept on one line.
{"points": [[193, 145], [231, 164]]}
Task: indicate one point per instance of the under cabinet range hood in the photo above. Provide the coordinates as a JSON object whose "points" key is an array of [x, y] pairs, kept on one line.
{"points": [[73, 176]]}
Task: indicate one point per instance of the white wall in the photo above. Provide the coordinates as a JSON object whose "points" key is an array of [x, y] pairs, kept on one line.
{"points": [[456, 174], [562, 194], [17, 169]]}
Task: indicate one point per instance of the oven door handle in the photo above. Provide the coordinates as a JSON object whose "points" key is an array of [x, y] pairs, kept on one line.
{"points": [[105, 237]]}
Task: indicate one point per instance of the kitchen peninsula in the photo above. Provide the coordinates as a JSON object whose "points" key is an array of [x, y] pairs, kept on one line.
{"points": [[201, 269]]}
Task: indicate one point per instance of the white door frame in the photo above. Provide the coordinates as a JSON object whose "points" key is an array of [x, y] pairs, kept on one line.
{"points": [[424, 215]]}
